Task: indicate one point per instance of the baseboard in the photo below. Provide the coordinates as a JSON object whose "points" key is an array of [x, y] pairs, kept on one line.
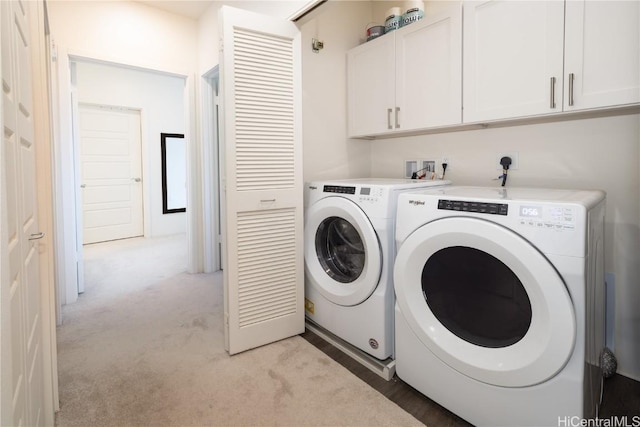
{"points": [[385, 368]]}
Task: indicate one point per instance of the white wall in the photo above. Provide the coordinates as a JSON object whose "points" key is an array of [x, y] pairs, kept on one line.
{"points": [[160, 99], [601, 153], [125, 32], [208, 39], [327, 152]]}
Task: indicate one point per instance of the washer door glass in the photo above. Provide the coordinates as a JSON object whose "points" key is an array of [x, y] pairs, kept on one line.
{"points": [[342, 255], [480, 300], [340, 249], [485, 301]]}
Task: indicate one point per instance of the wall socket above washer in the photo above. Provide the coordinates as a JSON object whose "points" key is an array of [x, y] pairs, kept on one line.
{"points": [[515, 161]]}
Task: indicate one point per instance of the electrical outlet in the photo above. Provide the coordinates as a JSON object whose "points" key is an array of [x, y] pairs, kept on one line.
{"points": [[445, 159], [515, 161]]}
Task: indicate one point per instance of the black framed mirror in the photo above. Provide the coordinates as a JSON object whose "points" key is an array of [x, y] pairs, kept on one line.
{"points": [[174, 173]]}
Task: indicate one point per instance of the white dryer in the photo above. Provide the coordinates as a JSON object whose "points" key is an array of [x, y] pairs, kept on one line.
{"points": [[349, 251], [500, 302]]}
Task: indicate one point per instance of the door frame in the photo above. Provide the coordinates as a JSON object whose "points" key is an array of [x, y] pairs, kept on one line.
{"points": [[211, 171], [66, 168]]}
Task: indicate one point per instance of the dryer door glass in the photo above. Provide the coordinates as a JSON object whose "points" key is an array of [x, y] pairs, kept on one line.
{"points": [[476, 297], [340, 249]]}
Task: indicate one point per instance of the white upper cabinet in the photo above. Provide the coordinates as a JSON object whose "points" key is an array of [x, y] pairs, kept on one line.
{"points": [[513, 53], [371, 89], [409, 79], [602, 54], [429, 71]]}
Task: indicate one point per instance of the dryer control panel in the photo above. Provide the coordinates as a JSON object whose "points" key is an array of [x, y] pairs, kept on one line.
{"points": [[559, 218], [543, 216], [478, 207]]}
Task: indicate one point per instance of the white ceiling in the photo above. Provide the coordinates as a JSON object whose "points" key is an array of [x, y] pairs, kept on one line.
{"points": [[189, 8], [195, 8]]}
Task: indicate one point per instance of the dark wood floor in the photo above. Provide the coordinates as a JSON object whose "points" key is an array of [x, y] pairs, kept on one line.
{"points": [[621, 394]]}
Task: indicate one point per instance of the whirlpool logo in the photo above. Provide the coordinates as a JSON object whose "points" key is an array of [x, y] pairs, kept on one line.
{"points": [[416, 202], [313, 187]]}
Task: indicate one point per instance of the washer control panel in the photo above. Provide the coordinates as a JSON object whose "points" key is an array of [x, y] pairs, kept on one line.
{"points": [[340, 189], [370, 194], [365, 194], [559, 218]]}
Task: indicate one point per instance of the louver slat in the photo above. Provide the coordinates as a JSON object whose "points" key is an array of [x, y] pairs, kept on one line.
{"points": [[266, 284], [264, 92]]}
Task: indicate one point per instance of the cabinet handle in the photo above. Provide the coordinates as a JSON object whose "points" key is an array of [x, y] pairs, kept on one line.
{"points": [[571, 78], [36, 236], [389, 118], [397, 118], [553, 93]]}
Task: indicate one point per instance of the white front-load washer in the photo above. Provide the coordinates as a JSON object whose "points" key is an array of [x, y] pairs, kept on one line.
{"points": [[349, 250], [499, 310]]}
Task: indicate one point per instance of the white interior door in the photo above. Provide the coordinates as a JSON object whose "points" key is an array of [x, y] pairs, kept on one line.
{"points": [[260, 72], [22, 345], [110, 173]]}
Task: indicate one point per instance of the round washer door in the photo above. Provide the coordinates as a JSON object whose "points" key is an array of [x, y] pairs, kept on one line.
{"points": [[485, 301], [342, 254]]}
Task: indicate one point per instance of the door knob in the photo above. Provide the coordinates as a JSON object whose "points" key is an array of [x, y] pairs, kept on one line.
{"points": [[83, 185], [137, 179]]}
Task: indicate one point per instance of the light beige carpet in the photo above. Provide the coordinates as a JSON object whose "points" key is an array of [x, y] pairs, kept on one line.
{"points": [[144, 346]]}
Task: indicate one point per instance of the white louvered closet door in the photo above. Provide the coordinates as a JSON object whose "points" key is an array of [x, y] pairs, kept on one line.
{"points": [[260, 72]]}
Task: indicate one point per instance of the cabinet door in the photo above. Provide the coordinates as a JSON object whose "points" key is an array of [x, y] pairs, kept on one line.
{"points": [[602, 54], [429, 71], [370, 85], [513, 50]]}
